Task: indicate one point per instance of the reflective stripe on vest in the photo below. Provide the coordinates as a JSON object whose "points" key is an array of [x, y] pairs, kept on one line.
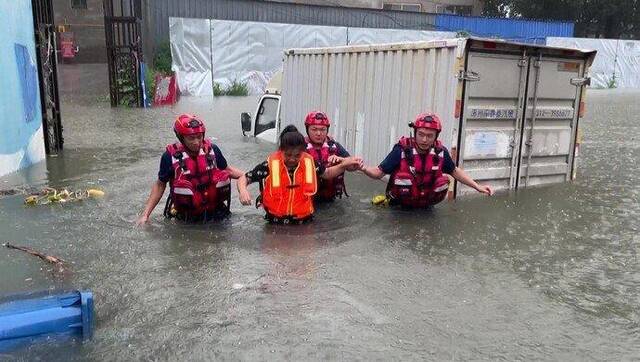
{"points": [[182, 191], [223, 183], [309, 169], [275, 175], [402, 182], [441, 188]]}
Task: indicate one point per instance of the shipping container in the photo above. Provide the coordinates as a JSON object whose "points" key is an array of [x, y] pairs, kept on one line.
{"points": [[510, 110]]}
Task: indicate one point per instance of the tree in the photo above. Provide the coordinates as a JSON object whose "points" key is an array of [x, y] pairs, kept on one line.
{"points": [[592, 18]]}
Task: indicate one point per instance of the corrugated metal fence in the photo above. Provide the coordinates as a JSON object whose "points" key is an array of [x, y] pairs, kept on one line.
{"points": [[529, 31], [157, 13]]}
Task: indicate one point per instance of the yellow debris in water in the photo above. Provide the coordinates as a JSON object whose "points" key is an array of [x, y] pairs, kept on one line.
{"points": [[379, 199], [50, 195], [95, 193]]}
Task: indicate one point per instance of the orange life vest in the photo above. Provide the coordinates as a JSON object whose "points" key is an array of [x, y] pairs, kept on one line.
{"points": [[287, 198]]}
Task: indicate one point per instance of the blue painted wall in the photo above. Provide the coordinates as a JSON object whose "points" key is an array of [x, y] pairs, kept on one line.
{"points": [[529, 31], [21, 136]]}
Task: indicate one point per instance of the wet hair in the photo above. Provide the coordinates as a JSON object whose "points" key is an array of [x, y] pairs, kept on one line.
{"points": [[291, 138]]}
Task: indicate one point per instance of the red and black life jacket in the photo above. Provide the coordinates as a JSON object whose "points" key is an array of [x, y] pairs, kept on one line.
{"points": [[418, 181], [327, 189], [198, 187]]}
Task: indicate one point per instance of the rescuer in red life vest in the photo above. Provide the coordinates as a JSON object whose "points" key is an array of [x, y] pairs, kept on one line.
{"points": [[327, 152], [417, 165], [198, 176]]}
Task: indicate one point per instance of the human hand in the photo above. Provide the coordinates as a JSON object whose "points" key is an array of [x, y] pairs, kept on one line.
{"points": [[358, 164], [485, 189], [142, 220], [334, 159], [245, 197]]}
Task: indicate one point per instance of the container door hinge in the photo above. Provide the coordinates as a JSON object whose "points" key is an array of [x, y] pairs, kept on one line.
{"points": [[579, 82], [469, 76]]}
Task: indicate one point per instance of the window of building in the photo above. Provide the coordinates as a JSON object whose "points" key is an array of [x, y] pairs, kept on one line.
{"points": [[465, 10], [402, 7], [78, 4]]}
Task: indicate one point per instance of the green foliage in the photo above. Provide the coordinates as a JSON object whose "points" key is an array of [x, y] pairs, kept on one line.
{"points": [[162, 58], [592, 18], [128, 90], [217, 89], [612, 83], [150, 82], [235, 88]]}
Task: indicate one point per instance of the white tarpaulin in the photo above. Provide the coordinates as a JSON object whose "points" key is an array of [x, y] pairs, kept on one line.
{"points": [[617, 59], [191, 54], [251, 52], [363, 36]]}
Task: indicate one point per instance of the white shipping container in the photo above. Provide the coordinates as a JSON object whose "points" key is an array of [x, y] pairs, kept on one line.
{"points": [[510, 111]]}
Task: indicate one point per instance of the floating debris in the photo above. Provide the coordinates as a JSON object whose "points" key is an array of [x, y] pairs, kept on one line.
{"points": [[48, 258], [50, 195]]}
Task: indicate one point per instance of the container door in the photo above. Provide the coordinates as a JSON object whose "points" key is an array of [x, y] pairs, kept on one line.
{"points": [[550, 125], [495, 91]]}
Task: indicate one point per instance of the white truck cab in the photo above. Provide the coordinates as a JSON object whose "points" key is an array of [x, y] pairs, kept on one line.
{"points": [[266, 123]]}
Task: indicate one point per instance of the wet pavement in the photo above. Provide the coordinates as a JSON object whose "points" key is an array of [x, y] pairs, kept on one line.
{"points": [[544, 274]]}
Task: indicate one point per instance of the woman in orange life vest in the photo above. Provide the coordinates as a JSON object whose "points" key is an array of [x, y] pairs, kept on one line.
{"points": [[198, 175], [417, 165], [326, 151], [288, 180]]}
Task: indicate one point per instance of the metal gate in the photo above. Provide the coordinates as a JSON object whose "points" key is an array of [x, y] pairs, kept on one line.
{"points": [[45, 35], [520, 118], [122, 19]]}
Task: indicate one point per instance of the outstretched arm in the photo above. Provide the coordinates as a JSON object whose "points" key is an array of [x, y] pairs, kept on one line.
{"points": [[345, 164], [234, 173], [373, 172], [243, 191], [460, 175], [157, 190], [259, 173]]}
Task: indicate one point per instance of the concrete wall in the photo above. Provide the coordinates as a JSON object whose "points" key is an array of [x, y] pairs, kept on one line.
{"points": [[21, 135], [88, 27]]}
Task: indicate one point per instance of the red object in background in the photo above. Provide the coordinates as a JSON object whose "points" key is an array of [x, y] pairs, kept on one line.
{"points": [[166, 92], [67, 45]]}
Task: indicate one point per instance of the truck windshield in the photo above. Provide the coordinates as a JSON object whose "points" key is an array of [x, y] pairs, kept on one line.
{"points": [[266, 118]]}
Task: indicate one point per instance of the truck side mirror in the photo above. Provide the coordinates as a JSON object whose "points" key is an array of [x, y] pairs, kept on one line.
{"points": [[245, 121]]}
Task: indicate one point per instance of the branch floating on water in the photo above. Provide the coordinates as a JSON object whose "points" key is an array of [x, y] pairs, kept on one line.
{"points": [[47, 258]]}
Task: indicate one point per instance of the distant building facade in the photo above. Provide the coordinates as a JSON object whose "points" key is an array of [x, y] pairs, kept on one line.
{"points": [[85, 18], [457, 7]]}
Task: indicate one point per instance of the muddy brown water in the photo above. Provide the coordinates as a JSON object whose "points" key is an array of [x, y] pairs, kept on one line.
{"points": [[544, 274]]}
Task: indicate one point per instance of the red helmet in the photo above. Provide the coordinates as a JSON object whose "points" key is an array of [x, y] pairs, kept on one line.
{"points": [[188, 124], [427, 120], [316, 119]]}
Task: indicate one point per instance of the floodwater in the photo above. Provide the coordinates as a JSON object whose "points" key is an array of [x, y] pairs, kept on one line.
{"points": [[544, 274]]}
